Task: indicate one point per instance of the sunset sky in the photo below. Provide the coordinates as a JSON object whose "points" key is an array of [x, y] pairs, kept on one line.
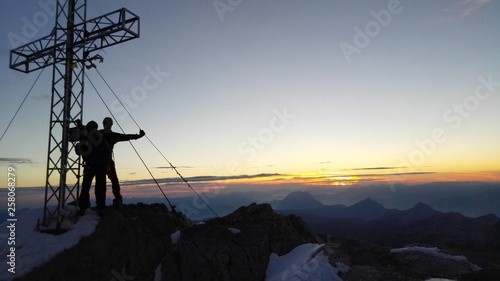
{"points": [[315, 92]]}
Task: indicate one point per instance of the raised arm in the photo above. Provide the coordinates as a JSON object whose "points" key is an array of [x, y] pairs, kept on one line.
{"points": [[117, 137]]}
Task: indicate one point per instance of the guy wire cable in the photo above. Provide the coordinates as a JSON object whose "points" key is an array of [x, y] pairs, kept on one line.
{"points": [[171, 165], [21, 105]]}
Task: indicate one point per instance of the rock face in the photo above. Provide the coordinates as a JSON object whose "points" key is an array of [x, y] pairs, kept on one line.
{"points": [[235, 247]]}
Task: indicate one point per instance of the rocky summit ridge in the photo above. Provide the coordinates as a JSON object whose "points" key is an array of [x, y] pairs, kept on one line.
{"points": [[145, 241]]}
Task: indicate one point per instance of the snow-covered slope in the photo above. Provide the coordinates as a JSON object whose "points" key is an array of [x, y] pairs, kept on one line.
{"points": [[305, 262], [33, 248]]}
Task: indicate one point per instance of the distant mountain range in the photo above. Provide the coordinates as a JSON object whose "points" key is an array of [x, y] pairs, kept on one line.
{"points": [[302, 203], [468, 198], [370, 221], [472, 199]]}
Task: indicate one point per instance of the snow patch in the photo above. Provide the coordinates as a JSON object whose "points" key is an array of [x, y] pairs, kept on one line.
{"points": [[234, 230], [305, 262], [436, 252], [174, 238], [34, 248], [158, 273]]}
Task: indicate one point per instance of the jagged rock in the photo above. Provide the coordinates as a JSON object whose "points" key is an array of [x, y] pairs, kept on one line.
{"points": [[128, 248], [211, 251]]}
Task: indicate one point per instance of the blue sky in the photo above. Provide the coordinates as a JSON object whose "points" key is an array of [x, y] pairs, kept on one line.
{"points": [[250, 87]]}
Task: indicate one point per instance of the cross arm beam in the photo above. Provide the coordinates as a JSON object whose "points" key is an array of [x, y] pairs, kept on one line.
{"points": [[34, 55], [100, 32], [111, 29]]}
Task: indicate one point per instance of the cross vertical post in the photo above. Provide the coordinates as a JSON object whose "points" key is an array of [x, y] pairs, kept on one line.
{"points": [[68, 49]]}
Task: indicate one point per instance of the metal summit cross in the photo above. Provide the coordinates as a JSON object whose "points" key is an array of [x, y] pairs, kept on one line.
{"points": [[68, 48]]}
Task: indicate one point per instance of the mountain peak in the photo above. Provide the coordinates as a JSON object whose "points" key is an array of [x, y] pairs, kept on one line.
{"points": [[422, 207], [367, 202], [367, 209], [299, 200]]}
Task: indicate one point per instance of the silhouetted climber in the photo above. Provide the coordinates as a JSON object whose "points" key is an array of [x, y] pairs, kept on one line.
{"points": [[112, 139], [96, 153]]}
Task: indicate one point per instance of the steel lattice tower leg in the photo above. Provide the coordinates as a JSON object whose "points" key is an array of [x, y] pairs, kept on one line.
{"points": [[63, 165]]}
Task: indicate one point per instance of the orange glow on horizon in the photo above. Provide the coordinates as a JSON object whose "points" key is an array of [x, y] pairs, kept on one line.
{"points": [[143, 188], [340, 179], [311, 179], [300, 181]]}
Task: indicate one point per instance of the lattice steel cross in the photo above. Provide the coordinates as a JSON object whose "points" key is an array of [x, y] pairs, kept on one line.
{"points": [[68, 48]]}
